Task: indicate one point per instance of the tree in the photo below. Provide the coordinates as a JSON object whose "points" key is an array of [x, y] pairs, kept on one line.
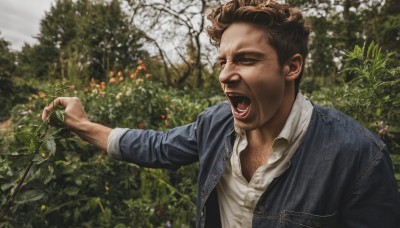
{"points": [[383, 27], [7, 69], [7, 60], [110, 42], [86, 38], [335, 30], [10, 92], [176, 30]]}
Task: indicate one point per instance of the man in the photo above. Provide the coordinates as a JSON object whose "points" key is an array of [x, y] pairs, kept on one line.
{"points": [[268, 157]]}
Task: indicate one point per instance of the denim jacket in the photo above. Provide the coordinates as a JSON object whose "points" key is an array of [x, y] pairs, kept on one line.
{"points": [[340, 176]]}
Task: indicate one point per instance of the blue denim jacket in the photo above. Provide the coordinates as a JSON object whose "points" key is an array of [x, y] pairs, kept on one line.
{"points": [[340, 176]]}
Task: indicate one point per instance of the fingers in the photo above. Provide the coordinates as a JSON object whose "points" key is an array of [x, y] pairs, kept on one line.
{"points": [[46, 112], [59, 101]]}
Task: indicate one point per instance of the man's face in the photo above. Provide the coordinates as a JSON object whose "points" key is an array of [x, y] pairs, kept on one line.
{"points": [[252, 78]]}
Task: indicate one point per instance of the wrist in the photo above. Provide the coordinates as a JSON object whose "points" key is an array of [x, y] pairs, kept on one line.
{"points": [[94, 133]]}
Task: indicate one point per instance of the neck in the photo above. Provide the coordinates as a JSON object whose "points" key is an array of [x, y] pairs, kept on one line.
{"points": [[270, 130]]}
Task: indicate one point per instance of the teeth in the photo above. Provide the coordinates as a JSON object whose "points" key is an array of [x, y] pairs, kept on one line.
{"points": [[240, 103]]}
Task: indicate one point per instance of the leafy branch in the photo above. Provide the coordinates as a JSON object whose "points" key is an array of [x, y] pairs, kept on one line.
{"points": [[38, 146]]}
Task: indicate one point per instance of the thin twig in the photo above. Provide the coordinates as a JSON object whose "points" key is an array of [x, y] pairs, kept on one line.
{"points": [[18, 187], [29, 166]]}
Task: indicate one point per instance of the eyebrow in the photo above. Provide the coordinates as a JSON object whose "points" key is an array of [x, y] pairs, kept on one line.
{"points": [[244, 53]]}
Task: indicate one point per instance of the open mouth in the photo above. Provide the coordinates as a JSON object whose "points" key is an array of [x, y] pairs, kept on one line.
{"points": [[240, 103]]}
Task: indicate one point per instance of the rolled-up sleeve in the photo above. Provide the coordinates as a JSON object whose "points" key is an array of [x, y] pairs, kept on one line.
{"points": [[113, 147]]}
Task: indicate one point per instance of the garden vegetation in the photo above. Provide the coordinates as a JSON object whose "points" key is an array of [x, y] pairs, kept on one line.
{"points": [[96, 51]]}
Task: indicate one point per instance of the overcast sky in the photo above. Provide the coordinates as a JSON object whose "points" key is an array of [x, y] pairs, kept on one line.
{"points": [[19, 20]]}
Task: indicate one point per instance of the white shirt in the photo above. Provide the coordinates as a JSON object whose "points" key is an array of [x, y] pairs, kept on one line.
{"points": [[237, 198]]}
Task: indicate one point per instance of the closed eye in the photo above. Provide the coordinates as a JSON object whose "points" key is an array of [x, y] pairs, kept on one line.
{"points": [[247, 61], [222, 63]]}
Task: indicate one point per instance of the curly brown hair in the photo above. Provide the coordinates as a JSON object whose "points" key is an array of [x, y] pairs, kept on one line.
{"points": [[285, 26]]}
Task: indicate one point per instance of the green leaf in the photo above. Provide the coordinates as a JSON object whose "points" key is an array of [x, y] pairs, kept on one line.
{"points": [[71, 191], [65, 133], [38, 159], [34, 144], [29, 196], [59, 156], [7, 186], [50, 144], [77, 214], [56, 119], [24, 136], [45, 172], [20, 159]]}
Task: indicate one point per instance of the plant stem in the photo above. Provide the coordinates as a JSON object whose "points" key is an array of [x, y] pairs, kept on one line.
{"points": [[28, 167], [18, 187]]}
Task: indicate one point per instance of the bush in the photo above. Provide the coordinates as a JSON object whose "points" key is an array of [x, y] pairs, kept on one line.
{"points": [[12, 93], [71, 183]]}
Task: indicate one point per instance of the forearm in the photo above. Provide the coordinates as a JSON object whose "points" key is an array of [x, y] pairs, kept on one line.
{"points": [[94, 133]]}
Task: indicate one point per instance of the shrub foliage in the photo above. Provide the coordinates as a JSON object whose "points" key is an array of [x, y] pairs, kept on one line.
{"points": [[66, 182]]}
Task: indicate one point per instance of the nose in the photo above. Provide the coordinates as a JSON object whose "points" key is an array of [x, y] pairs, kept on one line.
{"points": [[229, 74]]}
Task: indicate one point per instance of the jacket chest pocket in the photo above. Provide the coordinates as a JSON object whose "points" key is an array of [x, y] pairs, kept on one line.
{"points": [[291, 219]]}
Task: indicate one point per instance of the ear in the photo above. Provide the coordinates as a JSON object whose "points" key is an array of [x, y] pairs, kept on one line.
{"points": [[293, 67]]}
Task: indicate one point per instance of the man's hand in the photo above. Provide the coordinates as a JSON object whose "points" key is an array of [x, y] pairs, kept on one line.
{"points": [[74, 116], [76, 120]]}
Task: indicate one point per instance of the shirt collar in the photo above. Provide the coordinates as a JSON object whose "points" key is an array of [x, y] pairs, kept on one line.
{"points": [[300, 112]]}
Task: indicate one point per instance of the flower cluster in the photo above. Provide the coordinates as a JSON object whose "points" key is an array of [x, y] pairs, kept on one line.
{"points": [[119, 77], [97, 88], [125, 86]]}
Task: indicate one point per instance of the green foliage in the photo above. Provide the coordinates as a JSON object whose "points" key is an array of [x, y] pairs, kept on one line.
{"points": [[374, 93], [12, 93], [37, 148], [71, 183], [7, 86], [7, 60], [372, 97], [66, 182], [79, 40], [337, 26]]}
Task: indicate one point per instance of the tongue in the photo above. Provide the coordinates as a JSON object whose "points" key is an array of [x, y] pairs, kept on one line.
{"points": [[243, 105]]}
